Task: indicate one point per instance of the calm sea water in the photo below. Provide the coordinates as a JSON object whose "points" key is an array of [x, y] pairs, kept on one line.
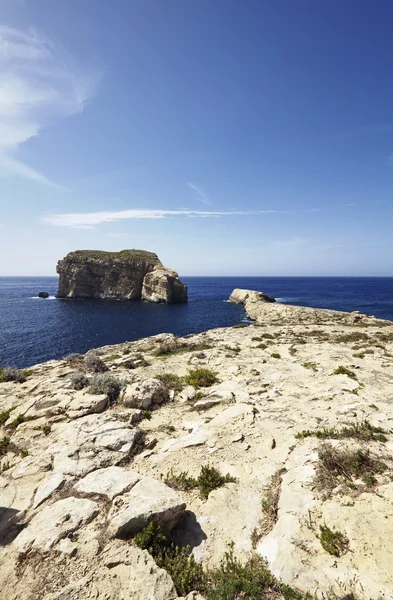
{"points": [[33, 330]]}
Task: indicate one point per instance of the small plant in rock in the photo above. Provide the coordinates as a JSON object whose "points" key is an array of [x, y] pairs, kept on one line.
{"points": [[186, 573], [344, 371], [17, 421], [310, 365], [4, 445], [261, 346], [271, 499], [208, 480], [104, 383], [24, 452], [74, 358], [11, 374], [276, 355], [201, 377], [46, 429], [79, 381], [333, 542], [4, 416], [94, 363]]}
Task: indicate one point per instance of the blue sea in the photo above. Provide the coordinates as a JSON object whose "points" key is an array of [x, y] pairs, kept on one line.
{"points": [[33, 330]]}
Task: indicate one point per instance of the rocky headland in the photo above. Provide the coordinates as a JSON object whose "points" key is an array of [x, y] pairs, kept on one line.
{"points": [[266, 451], [125, 275]]}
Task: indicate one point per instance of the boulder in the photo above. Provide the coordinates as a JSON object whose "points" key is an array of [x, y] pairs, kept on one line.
{"points": [[43, 295], [125, 275], [54, 522], [109, 482], [239, 296], [148, 500], [146, 394]]}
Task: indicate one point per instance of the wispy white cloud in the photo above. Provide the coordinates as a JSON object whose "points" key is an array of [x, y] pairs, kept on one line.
{"points": [[88, 220], [201, 193], [39, 82]]}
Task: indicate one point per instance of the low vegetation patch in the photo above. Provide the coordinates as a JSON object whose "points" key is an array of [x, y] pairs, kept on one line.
{"points": [[74, 359], [5, 415], [364, 431], [341, 370], [104, 383], [333, 542], [343, 465], [201, 378], [276, 355], [270, 501], [94, 363], [11, 374], [175, 346], [4, 445], [79, 381], [353, 336], [310, 365], [46, 429], [208, 480], [171, 381], [186, 573], [17, 421]]}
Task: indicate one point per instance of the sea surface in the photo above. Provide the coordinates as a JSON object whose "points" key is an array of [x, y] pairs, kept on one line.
{"points": [[34, 330]]}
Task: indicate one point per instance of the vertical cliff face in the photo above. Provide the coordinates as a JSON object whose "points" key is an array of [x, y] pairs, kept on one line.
{"points": [[125, 275]]}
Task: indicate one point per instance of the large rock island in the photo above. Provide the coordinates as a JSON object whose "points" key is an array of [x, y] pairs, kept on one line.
{"points": [[125, 275]]}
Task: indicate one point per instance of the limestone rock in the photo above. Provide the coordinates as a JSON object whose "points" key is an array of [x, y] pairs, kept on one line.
{"points": [[239, 296], [121, 275], [145, 394], [55, 522], [47, 488], [148, 499], [109, 482], [163, 285]]}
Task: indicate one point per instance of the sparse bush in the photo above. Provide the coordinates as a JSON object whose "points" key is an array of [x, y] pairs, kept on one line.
{"points": [[344, 371], [271, 499], [201, 377], [354, 336], [74, 358], [11, 374], [79, 381], [105, 383], [276, 355], [186, 573], [208, 480], [341, 465], [4, 445], [261, 346], [17, 421], [171, 381], [24, 452], [94, 363], [4, 416], [333, 542], [361, 431], [240, 325]]}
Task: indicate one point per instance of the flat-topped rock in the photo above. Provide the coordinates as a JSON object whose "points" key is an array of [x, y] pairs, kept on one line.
{"points": [[125, 275]]}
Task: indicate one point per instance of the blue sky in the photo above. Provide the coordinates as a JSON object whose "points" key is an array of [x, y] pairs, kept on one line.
{"points": [[232, 138]]}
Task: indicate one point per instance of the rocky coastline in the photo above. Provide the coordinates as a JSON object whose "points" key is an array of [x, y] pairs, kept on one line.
{"points": [[126, 275], [271, 441]]}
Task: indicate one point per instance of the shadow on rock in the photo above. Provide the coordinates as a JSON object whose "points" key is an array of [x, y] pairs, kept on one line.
{"points": [[188, 531], [9, 527]]}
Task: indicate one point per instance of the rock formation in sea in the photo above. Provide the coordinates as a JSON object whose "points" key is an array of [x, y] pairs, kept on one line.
{"points": [[125, 275], [271, 441]]}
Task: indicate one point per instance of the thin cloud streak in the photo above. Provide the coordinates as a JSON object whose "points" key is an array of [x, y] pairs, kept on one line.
{"points": [[200, 193], [89, 220], [39, 82]]}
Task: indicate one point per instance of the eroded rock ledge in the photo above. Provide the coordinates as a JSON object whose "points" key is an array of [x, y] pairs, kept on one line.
{"points": [[125, 275], [82, 473]]}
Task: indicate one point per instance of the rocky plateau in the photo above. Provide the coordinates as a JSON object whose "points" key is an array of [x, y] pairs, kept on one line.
{"points": [[295, 410]]}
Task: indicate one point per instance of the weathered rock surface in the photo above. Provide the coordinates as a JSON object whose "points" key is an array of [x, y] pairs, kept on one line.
{"points": [[77, 471], [125, 275]]}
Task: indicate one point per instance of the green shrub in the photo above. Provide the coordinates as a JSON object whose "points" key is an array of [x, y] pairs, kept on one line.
{"points": [[208, 480], [4, 445], [360, 431], [310, 365], [186, 573], [11, 374], [79, 381], [74, 358], [252, 581], [344, 371], [4, 416], [276, 355], [171, 381], [46, 429], [104, 383], [200, 377], [333, 542], [18, 421]]}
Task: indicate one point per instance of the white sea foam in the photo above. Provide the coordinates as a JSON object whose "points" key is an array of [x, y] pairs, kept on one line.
{"points": [[37, 298]]}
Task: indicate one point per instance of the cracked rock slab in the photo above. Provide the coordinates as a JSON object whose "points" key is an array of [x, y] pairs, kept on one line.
{"points": [[109, 482]]}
